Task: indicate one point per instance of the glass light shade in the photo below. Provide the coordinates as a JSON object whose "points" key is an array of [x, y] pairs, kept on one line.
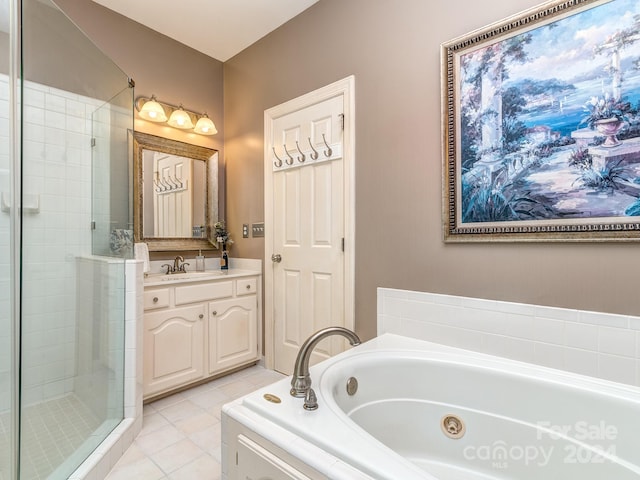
{"points": [[205, 126], [180, 119], [153, 111]]}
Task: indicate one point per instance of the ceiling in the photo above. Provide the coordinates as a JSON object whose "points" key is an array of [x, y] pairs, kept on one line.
{"points": [[218, 28]]}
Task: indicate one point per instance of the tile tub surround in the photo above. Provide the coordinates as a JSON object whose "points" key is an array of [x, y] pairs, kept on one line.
{"points": [[596, 344]]}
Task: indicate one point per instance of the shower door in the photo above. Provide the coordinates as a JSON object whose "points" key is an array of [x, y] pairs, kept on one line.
{"points": [[61, 299], [77, 107], [9, 223]]}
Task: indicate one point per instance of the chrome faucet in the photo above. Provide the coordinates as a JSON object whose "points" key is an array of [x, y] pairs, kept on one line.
{"points": [[301, 381]]}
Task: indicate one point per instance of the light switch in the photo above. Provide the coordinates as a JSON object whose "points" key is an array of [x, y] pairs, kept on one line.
{"points": [[245, 230], [257, 230]]}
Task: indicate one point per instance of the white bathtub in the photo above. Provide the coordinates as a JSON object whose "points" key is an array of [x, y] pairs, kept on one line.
{"points": [[521, 421]]}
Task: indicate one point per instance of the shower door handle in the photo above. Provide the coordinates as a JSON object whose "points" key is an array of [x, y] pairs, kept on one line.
{"points": [[276, 258]]}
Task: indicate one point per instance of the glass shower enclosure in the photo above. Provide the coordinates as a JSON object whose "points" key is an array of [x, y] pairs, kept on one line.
{"points": [[65, 113]]}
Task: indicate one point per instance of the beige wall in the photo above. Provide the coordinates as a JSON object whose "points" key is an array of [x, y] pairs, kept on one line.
{"points": [[392, 48], [177, 74]]}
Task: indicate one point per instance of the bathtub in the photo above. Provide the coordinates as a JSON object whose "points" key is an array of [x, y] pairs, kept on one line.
{"points": [[427, 411]]}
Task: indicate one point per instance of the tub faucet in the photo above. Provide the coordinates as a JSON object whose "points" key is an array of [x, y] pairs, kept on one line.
{"points": [[301, 381]]}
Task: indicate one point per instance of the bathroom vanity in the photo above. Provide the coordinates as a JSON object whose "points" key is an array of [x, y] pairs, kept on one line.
{"points": [[198, 325]]}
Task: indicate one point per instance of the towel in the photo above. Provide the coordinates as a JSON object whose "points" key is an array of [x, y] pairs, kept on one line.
{"points": [[141, 252]]}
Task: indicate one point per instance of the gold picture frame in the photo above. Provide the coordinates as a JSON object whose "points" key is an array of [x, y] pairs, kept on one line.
{"points": [[524, 156]]}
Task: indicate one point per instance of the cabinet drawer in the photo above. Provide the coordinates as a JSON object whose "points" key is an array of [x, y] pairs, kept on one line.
{"points": [[203, 291], [246, 286], [156, 298]]}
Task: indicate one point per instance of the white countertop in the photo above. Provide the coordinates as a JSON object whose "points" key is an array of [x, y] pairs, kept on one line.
{"points": [[156, 279]]}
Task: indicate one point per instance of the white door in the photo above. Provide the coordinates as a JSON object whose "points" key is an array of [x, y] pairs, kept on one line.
{"points": [[309, 218], [172, 197]]}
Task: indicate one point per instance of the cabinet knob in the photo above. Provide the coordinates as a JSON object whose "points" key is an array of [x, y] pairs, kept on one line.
{"points": [[201, 315], [248, 287], [155, 299], [214, 313]]}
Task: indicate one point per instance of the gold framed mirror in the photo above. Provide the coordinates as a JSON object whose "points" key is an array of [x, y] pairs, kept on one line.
{"points": [[175, 193]]}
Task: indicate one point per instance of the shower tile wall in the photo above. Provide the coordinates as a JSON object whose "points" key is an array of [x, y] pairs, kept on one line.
{"points": [[56, 230], [57, 172], [597, 344]]}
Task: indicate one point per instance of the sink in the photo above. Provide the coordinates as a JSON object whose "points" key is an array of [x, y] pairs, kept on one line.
{"points": [[177, 277]]}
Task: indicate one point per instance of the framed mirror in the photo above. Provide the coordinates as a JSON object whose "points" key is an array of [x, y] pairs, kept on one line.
{"points": [[175, 193]]}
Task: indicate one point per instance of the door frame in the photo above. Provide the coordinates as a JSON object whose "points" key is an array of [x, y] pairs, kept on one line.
{"points": [[346, 88]]}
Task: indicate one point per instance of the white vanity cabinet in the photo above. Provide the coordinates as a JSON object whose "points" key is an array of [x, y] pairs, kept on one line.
{"points": [[198, 329]]}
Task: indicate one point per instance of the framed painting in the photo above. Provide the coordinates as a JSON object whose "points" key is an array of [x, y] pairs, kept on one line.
{"points": [[541, 126]]}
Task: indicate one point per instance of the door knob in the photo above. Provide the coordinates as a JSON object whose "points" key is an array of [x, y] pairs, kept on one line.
{"points": [[276, 257]]}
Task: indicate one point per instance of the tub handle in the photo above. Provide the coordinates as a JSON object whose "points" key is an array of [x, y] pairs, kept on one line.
{"points": [[310, 400]]}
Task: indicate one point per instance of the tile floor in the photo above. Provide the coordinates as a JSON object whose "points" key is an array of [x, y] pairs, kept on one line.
{"points": [[52, 431], [180, 437]]}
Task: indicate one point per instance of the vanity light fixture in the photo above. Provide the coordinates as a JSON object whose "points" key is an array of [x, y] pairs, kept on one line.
{"points": [[178, 117]]}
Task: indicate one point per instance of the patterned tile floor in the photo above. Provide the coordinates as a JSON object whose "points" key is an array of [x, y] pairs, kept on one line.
{"points": [[180, 437], [52, 431]]}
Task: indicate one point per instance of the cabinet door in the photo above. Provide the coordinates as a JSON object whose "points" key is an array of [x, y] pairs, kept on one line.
{"points": [[173, 348], [233, 331]]}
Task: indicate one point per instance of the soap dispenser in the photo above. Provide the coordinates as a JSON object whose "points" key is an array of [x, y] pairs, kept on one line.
{"points": [[200, 262], [224, 260]]}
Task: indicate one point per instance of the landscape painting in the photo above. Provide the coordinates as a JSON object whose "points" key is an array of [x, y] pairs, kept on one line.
{"points": [[542, 126]]}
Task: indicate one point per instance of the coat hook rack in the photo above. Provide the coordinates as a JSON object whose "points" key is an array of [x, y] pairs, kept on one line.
{"points": [[167, 183]]}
